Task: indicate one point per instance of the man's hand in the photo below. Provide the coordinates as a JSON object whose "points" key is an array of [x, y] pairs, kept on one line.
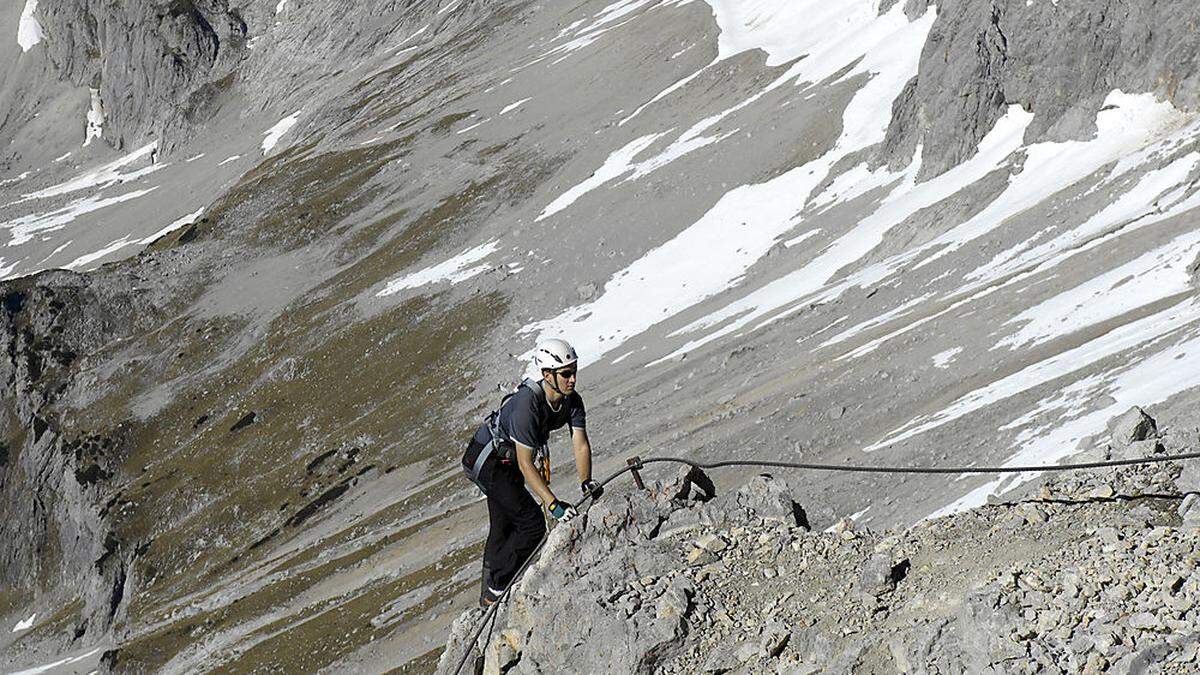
{"points": [[591, 487], [562, 511]]}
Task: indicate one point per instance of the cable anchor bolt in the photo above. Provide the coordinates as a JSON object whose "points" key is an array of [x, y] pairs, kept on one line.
{"points": [[635, 463]]}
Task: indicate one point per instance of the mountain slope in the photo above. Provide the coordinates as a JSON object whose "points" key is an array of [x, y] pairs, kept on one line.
{"points": [[960, 231]]}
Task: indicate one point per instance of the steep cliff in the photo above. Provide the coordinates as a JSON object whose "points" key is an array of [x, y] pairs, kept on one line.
{"points": [[1056, 60]]}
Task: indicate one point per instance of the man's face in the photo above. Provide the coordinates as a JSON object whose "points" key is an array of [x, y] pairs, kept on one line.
{"points": [[564, 378]]}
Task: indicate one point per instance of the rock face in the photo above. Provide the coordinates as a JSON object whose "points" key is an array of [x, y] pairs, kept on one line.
{"points": [[158, 66], [983, 591], [985, 55], [612, 576], [50, 477]]}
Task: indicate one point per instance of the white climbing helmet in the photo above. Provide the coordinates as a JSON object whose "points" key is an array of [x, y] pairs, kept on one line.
{"points": [[553, 353]]}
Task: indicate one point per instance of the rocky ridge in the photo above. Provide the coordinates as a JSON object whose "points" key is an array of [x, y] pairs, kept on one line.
{"points": [[1092, 572]]}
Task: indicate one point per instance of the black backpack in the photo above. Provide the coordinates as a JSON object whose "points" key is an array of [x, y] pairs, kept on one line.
{"points": [[475, 456]]}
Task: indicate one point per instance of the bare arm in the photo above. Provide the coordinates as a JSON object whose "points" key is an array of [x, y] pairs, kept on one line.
{"points": [[532, 477], [583, 453]]}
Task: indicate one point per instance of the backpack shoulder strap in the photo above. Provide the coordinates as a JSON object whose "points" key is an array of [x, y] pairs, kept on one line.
{"points": [[535, 386], [493, 418]]}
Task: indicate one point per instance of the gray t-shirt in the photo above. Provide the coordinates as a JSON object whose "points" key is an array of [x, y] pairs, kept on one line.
{"points": [[527, 419]]}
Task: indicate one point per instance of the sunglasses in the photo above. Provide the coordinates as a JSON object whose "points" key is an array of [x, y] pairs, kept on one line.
{"points": [[566, 372]]}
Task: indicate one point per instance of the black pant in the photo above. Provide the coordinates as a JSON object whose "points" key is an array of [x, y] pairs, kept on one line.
{"points": [[516, 525]]}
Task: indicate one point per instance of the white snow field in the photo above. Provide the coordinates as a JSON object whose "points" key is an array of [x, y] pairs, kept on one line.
{"points": [[714, 253]]}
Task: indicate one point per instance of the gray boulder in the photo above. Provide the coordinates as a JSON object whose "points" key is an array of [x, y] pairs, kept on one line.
{"points": [[986, 618], [879, 576], [1189, 477], [1132, 426], [765, 497]]}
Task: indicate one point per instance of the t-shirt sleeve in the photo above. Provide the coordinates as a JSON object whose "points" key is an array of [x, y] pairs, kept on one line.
{"points": [[578, 415], [523, 425]]}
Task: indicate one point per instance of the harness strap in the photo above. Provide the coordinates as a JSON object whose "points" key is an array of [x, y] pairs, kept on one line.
{"points": [[493, 421]]}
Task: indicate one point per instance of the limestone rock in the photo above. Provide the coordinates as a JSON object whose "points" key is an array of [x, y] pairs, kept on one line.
{"points": [[1189, 477], [762, 497], [876, 578], [1132, 426], [461, 631], [774, 638], [1138, 449]]}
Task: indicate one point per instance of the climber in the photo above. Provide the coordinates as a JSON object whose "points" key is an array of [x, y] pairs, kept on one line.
{"points": [[500, 459]]}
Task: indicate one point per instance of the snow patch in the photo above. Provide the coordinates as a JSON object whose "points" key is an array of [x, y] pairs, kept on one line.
{"points": [[514, 106], [1146, 382], [1154, 275], [1065, 363], [714, 253], [466, 129], [410, 38], [1135, 204], [454, 270], [101, 177], [25, 228], [276, 132], [16, 179], [29, 30], [801, 237], [905, 200], [683, 82], [618, 164], [95, 119], [1126, 123], [943, 359], [55, 252], [876, 321], [789, 29], [38, 670], [87, 259], [623, 357], [603, 21], [178, 223], [27, 623]]}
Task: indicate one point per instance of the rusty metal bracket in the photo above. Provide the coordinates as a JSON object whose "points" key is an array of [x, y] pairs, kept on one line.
{"points": [[635, 463]]}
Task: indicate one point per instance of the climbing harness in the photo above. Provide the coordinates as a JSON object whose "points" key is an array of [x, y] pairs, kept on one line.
{"points": [[498, 445], [634, 466]]}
